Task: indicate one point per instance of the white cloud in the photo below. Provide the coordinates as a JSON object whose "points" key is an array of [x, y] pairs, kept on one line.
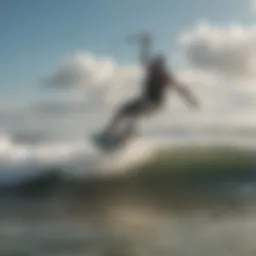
{"points": [[95, 87], [102, 80], [229, 51], [79, 70]]}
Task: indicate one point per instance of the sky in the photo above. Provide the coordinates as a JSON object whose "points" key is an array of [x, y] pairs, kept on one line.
{"points": [[66, 65], [35, 35]]}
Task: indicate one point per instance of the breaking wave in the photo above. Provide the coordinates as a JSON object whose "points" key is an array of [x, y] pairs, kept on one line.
{"points": [[19, 162]]}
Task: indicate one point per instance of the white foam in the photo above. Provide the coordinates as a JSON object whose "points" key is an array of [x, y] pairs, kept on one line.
{"points": [[79, 158]]}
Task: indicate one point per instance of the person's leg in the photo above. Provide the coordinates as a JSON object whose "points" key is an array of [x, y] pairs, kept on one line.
{"points": [[128, 115]]}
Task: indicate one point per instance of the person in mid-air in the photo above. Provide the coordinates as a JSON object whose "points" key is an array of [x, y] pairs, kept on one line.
{"points": [[157, 81]]}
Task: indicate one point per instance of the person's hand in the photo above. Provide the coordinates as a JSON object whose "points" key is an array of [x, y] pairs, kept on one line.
{"points": [[141, 38]]}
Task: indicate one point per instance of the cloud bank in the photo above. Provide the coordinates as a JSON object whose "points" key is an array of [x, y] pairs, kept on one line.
{"points": [[227, 51], [100, 79]]}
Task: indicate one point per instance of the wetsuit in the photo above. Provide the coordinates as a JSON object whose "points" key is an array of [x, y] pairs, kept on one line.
{"points": [[155, 85]]}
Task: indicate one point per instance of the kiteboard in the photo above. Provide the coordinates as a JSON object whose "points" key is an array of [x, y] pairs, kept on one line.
{"points": [[112, 142]]}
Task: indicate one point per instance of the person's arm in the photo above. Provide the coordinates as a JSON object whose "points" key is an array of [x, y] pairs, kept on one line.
{"points": [[145, 45], [144, 42], [185, 93]]}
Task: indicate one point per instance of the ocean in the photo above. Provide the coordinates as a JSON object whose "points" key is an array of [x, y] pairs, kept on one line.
{"points": [[189, 195]]}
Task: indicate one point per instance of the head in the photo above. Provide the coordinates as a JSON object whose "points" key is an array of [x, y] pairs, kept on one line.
{"points": [[159, 62]]}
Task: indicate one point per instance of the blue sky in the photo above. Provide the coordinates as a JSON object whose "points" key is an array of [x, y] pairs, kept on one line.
{"points": [[35, 35]]}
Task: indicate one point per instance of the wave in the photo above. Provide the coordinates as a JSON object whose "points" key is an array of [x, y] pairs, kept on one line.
{"points": [[204, 165], [216, 169], [21, 162]]}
